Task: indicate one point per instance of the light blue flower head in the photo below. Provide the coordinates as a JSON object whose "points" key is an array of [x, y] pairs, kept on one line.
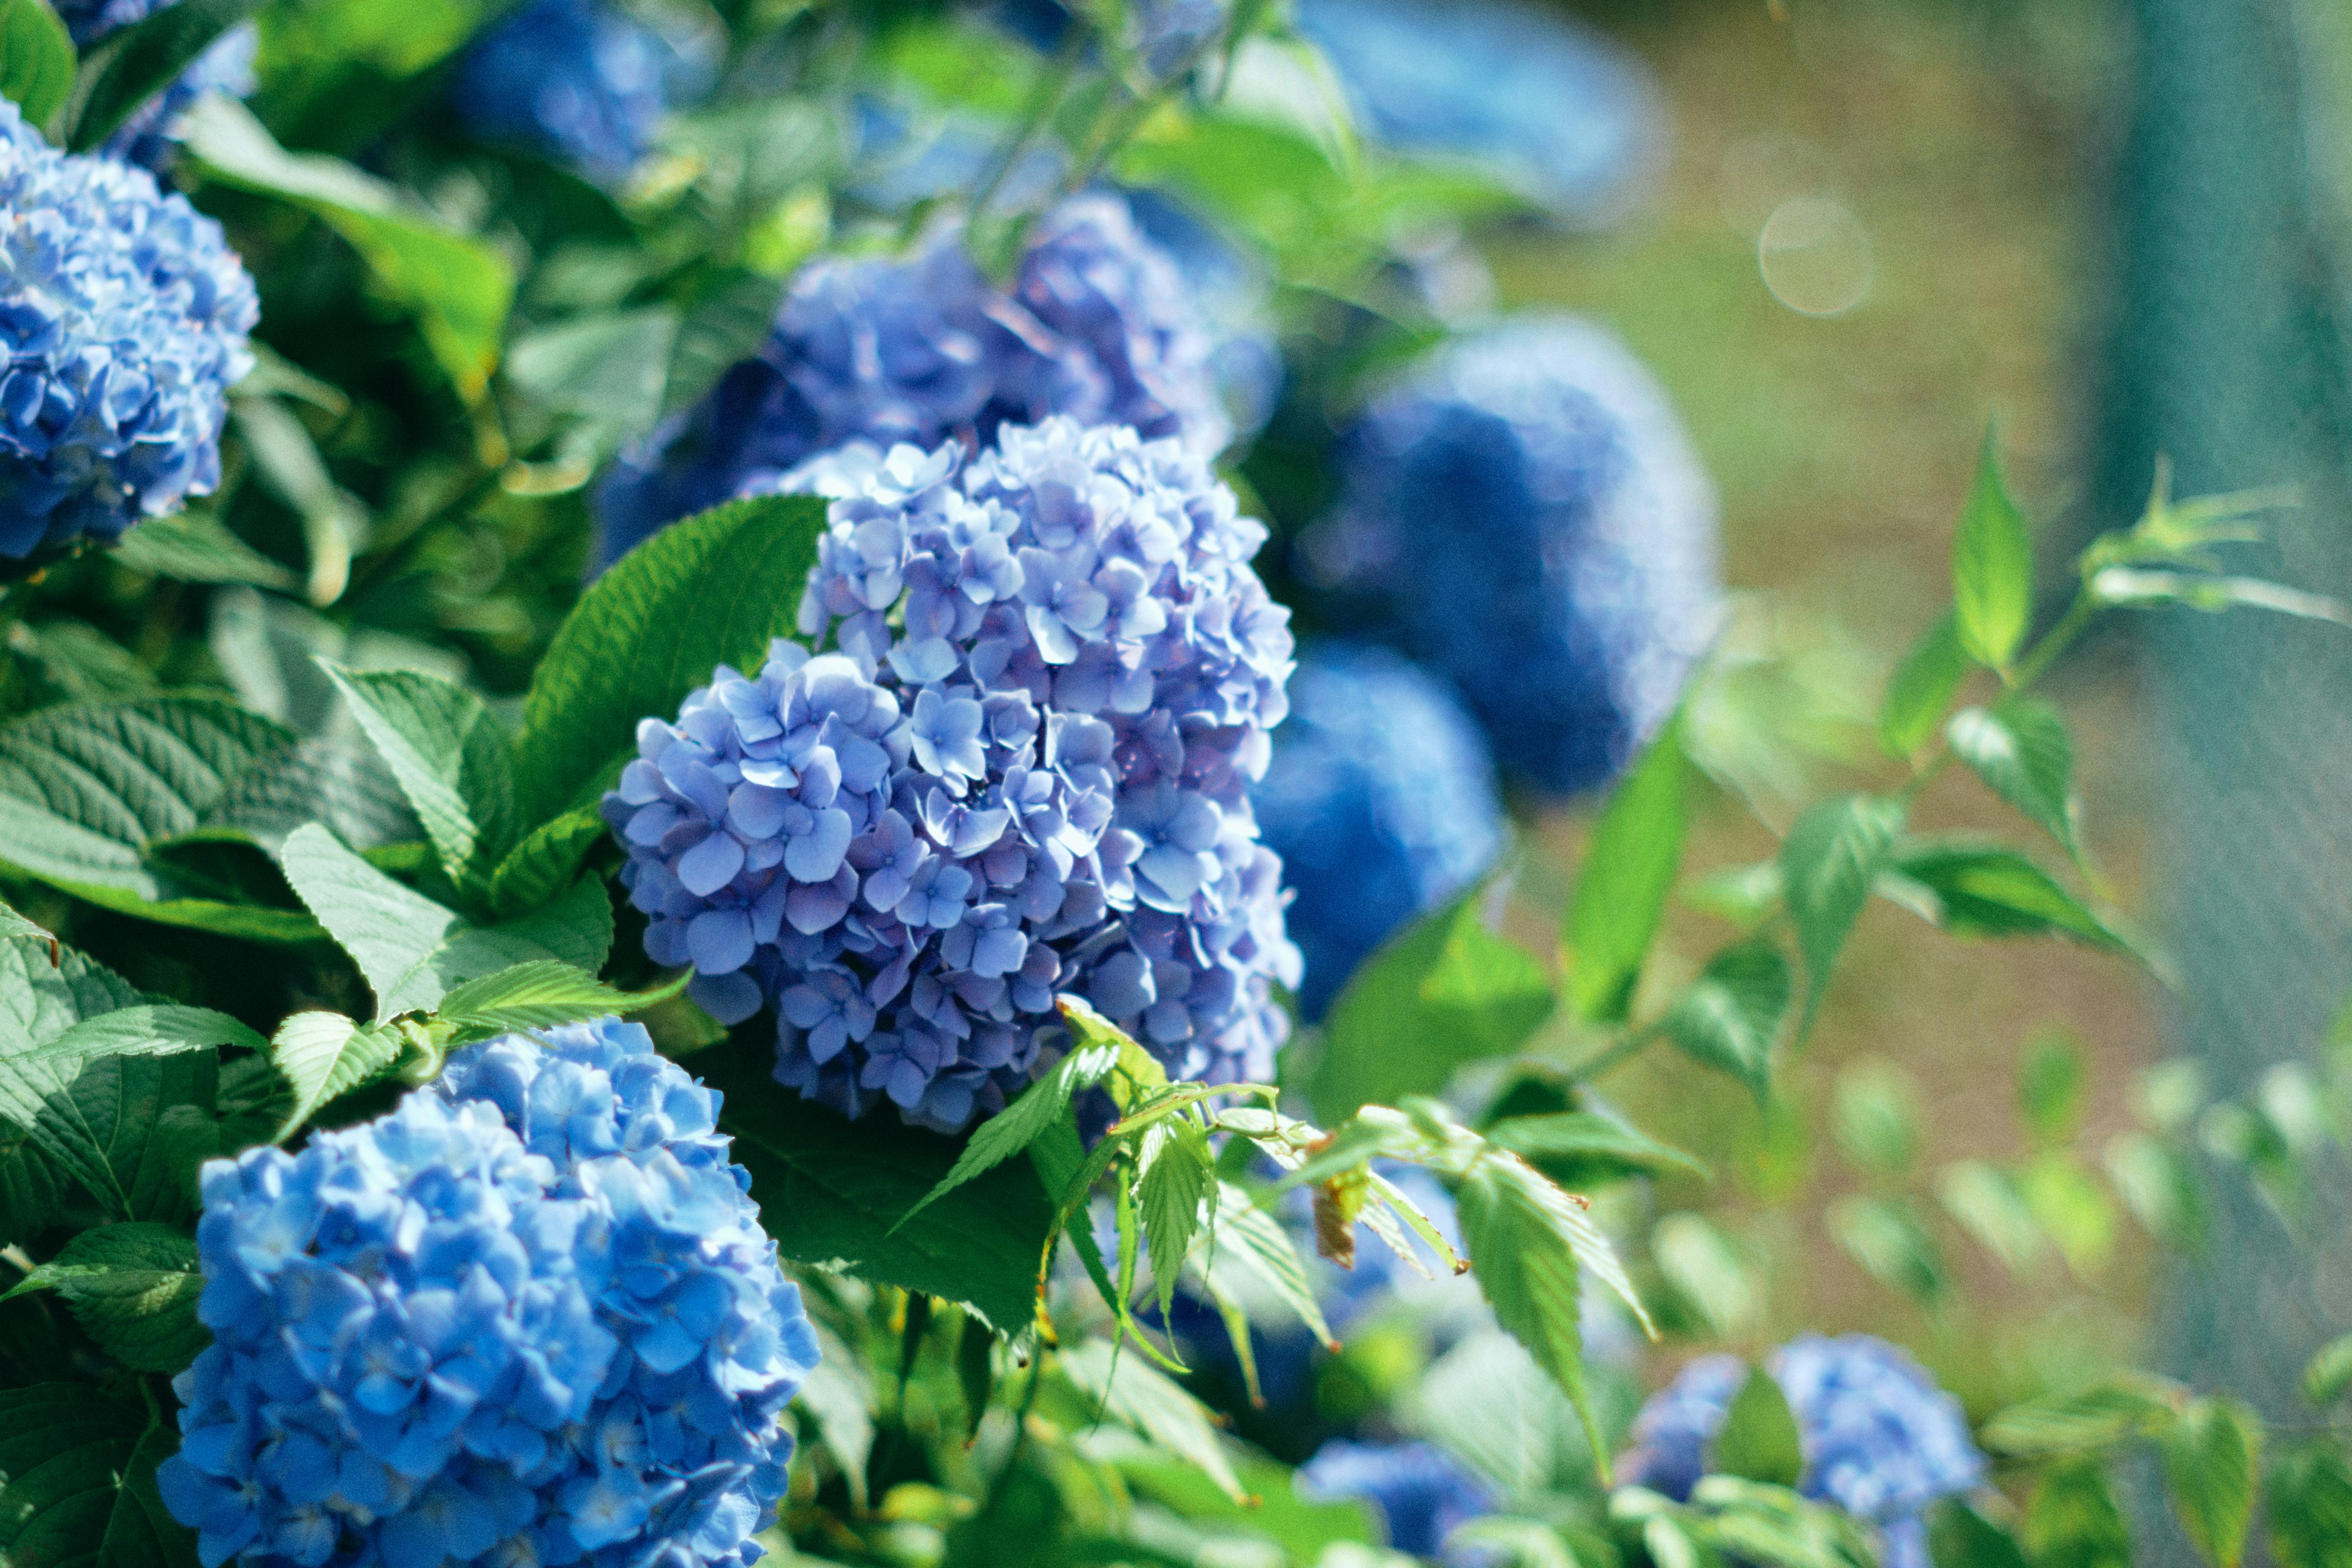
{"points": [[1024, 769], [1530, 513], [1881, 1440], [151, 135], [578, 82], [528, 1318], [1422, 1493], [124, 315]]}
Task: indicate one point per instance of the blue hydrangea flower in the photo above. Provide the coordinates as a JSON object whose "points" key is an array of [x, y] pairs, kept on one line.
{"points": [[1162, 34], [1381, 801], [528, 1318], [125, 314], [151, 132], [1024, 771], [1098, 325], [1529, 512], [1568, 120], [578, 82], [1422, 1493], [1880, 1439]]}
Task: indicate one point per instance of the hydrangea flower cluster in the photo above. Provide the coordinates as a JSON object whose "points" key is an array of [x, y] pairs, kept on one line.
{"points": [[126, 314], [1098, 325], [1880, 1439], [1422, 1493], [1381, 801], [1023, 771], [1530, 513], [149, 136], [578, 82], [1570, 120], [529, 1317]]}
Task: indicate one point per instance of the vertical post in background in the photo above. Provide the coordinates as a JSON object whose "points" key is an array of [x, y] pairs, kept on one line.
{"points": [[2230, 359]]}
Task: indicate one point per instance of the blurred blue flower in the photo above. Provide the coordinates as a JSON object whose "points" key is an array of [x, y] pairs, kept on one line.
{"points": [[1096, 325], [150, 135], [1529, 514], [1163, 35], [1565, 117], [126, 316], [1880, 1439], [578, 82], [1420, 1492], [532, 1309], [1022, 771], [1381, 801]]}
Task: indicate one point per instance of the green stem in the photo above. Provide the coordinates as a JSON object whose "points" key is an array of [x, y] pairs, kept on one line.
{"points": [[1618, 1053], [1130, 120], [2044, 654], [1044, 99]]}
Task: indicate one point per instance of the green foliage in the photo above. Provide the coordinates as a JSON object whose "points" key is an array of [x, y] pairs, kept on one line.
{"points": [[2072, 1520], [1127, 1389], [131, 65], [194, 546], [451, 759], [36, 59], [2020, 750], [1921, 688], [1730, 1016], [134, 1288], [1759, 1438], [2212, 1452], [1992, 567], [323, 1055], [80, 1481], [2307, 1496], [1828, 863], [1629, 869]]}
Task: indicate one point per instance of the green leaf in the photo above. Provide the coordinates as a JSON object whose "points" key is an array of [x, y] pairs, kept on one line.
{"points": [[87, 792], [1729, 1017], [451, 757], [1985, 1203], [459, 286], [1960, 1537], [2329, 1372], [1831, 857], [713, 589], [1921, 688], [140, 1531], [2072, 1521], [77, 1482], [130, 66], [2307, 1506], [1176, 1168], [832, 1193], [2094, 1417], [1629, 869], [1876, 1117], [36, 59], [2020, 751], [340, 784], [1249, 1239], [134, 1287], [608, 368], [1992, 567], [1988, 891], [1759, 1438], [545, 862], [1129, 1390], [1885, 1238], [2157, 1184], [321, 1055], [543, 994], [413, 951], [196, 546], [1588, 1140], [2211, 1453], [1024, 1120], [1706, 1271], [1446, 992], [1753, 1523]]}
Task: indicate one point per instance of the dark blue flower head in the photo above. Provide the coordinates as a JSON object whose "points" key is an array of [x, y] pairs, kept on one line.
{"points": [[529, 1318], [578, 82], [1568, 119], [125, 314], [151, 132], [1381, 801], [1531, 515], [1880, 1439], [1096, 325], [1025, 771], [1422, 1493]]}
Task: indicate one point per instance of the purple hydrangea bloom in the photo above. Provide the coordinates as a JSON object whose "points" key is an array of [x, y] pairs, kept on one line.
{"points": [[1530, 513], [125, 314], [1381, 801], [1022, 771], [529, 1317], [578, 82], [1569, 120], [1880, 1439], [150, 135], [1422, 1493], [1096, 325]]}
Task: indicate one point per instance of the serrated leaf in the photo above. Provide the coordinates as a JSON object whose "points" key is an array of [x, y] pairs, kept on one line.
{"points": [[1831, 857], [2093, 1417], [197, 547], [1885, 1238], [131, 65], [321, 1055], [1589, 1138], [1988, 891], [2307, 1506], [452, 760], [1921, 688], [1758, 1439], [544, 994], [36, 59], [1628, 871], [544, 863], [76, 1482], [1251, 1240], [1728, 1018], [2020, 749], [711, 590], [1024, 1120], [133, 1289], [1175, 1169], [1992, 567], [1446, 992], [831, 1192], [1129, 1390], [2211, 1453]]}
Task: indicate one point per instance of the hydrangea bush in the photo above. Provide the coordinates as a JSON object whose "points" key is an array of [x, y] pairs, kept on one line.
{"points": [[148, 136]]}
